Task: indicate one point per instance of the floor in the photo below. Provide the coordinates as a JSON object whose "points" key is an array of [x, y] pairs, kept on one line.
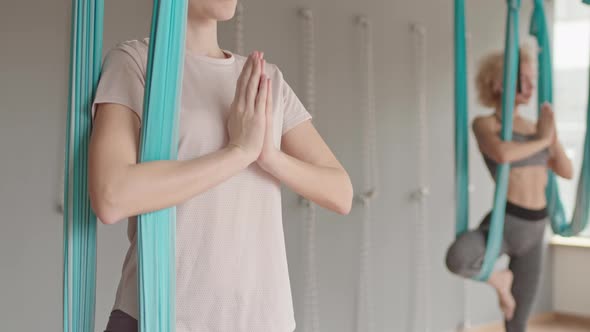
{"points": [[552, 322]]}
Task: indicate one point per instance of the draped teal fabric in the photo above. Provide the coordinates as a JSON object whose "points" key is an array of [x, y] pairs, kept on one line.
{"points": [[494, 242], [79, 277], [461, 122], [559, 222], [159, 141]]}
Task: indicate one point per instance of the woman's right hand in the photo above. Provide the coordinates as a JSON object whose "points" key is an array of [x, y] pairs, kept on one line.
{"points": [[546, 123], [247, 119]]}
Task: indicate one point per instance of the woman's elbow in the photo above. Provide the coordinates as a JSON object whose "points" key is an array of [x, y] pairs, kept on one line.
{"points": [[344, 204], [564, 170], [500, 156], [568, 174], [344, 208], [570, 170], [102, 203]]}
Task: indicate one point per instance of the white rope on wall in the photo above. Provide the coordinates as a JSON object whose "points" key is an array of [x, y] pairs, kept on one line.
{"points": [[239, 28], [311, 321], [421, 290], [370, 171], [370, 176]]}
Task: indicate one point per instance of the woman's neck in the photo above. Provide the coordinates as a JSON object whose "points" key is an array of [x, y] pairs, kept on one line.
{"points": [[201, 37]]}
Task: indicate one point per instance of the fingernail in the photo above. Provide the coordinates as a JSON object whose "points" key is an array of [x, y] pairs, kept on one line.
{"points": [[262, 54]]}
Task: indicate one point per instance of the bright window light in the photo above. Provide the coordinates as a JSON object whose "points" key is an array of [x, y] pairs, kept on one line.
{"points": [[571, 44], [571, 59]]}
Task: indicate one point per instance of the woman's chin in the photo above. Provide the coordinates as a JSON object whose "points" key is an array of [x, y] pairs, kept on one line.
{"points": [[226, 10], [224, 18]]}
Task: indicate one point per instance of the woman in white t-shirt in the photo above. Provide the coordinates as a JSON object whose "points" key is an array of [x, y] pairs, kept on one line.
{"points": [[242, 132]]}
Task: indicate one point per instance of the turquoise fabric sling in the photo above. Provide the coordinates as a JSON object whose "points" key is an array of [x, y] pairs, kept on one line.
{"points": [[559, 222], [156, 231], [159, 141], [495, 235], [79, 278]]}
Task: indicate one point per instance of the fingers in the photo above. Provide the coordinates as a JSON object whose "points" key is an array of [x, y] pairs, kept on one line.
{"points": [[254, 82], [547, 109], [243, 81], [261, 98], [546, 115], [262, 75], [269, 99]]}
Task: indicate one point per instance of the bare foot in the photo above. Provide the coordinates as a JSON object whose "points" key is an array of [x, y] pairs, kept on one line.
{"points": [[502, 282]]}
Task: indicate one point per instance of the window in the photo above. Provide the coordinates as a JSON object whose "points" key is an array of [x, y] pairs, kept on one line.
{"points": [[571, 58]]}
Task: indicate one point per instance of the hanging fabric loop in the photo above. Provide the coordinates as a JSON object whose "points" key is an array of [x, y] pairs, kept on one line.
{"points": [[511, 54], [159, 141], [581, 214], [79, 274]]}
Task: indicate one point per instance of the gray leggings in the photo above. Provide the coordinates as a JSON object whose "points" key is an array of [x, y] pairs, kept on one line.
{"points": [[523, 243]]}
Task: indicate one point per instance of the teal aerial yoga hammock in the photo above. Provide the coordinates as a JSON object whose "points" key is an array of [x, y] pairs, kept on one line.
{"points": [[494, 241], [156, 230], [559, 223]]}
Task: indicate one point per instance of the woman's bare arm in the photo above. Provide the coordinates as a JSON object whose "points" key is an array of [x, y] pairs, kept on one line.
{"points": [[559, 162], [501, 151], [307, 166], [120, 188]]}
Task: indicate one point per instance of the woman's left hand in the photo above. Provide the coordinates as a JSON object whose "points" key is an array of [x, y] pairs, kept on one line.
{"points": [[269, 149], [555, 139]]}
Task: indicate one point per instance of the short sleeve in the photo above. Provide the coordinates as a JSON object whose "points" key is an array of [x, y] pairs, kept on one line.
{"points": [[122, 80], [294, 113]]}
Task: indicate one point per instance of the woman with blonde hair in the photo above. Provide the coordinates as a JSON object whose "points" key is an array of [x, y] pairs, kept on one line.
{"points": [[535, 147]]}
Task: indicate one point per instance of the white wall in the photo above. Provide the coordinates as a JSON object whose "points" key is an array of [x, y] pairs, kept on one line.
{"points": [[34, 53], [570, 279], [34, 39]]}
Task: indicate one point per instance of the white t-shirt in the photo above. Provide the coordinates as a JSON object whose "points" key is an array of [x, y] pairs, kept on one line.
{"points": [[231, 263]]}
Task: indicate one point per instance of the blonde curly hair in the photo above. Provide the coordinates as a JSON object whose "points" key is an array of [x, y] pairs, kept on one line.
{"points": [[490, 74]]}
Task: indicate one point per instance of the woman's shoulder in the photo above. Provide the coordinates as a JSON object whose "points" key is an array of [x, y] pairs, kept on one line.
{"points": [[488, 121], [136, 45], [130, 51]]}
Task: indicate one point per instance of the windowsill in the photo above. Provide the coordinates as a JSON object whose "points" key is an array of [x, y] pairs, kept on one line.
{"points": [[576, 241]]}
